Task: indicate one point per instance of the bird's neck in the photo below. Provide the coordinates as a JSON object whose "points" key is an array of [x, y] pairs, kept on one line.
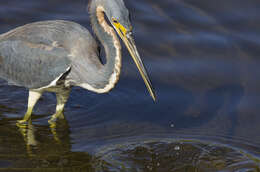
{"points": [[106, 35]]}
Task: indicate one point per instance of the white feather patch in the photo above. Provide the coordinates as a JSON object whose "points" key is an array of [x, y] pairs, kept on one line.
{"points": [[54, 82]]}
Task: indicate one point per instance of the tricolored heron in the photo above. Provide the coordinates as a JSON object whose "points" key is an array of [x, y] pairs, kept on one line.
{"points": [[57, 55]]}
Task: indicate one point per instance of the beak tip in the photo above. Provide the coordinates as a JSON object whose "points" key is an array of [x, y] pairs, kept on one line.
{"points": [[153, 97]]}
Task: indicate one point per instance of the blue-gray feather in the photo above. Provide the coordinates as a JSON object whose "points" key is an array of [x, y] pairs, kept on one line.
{"points": [[31, 67], [36, 54]]}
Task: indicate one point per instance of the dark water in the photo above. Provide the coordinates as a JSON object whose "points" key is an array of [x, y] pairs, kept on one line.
{"points": [[203, 58]]}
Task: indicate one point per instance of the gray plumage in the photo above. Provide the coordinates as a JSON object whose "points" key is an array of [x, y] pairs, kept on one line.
{"points": [[34, 55]]}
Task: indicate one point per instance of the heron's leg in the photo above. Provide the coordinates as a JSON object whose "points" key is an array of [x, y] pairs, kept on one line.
{"points": [[62, 97], [34, 96]]}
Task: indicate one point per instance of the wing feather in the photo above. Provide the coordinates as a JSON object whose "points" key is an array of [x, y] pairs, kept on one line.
{"points": [[32, 65]]}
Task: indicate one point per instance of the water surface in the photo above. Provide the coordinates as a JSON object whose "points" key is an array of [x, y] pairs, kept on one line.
{"points": [[203, 59]]}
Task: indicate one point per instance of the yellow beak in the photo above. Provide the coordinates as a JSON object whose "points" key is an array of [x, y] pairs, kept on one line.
{"points": [[130, 44]]}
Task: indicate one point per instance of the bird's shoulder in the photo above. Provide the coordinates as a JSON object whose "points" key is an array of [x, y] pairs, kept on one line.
{"points": [[52, 34]]}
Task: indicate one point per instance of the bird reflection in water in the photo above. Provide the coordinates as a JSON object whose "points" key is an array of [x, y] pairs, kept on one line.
{"points": [[58, 130], [50, 147], [27, 131]]}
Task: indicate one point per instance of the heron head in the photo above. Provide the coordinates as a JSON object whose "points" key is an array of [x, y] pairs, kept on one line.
{"points": [[119, 17]]}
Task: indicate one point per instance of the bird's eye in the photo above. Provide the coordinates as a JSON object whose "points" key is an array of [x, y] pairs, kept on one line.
{"points": [[114, 20]]}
